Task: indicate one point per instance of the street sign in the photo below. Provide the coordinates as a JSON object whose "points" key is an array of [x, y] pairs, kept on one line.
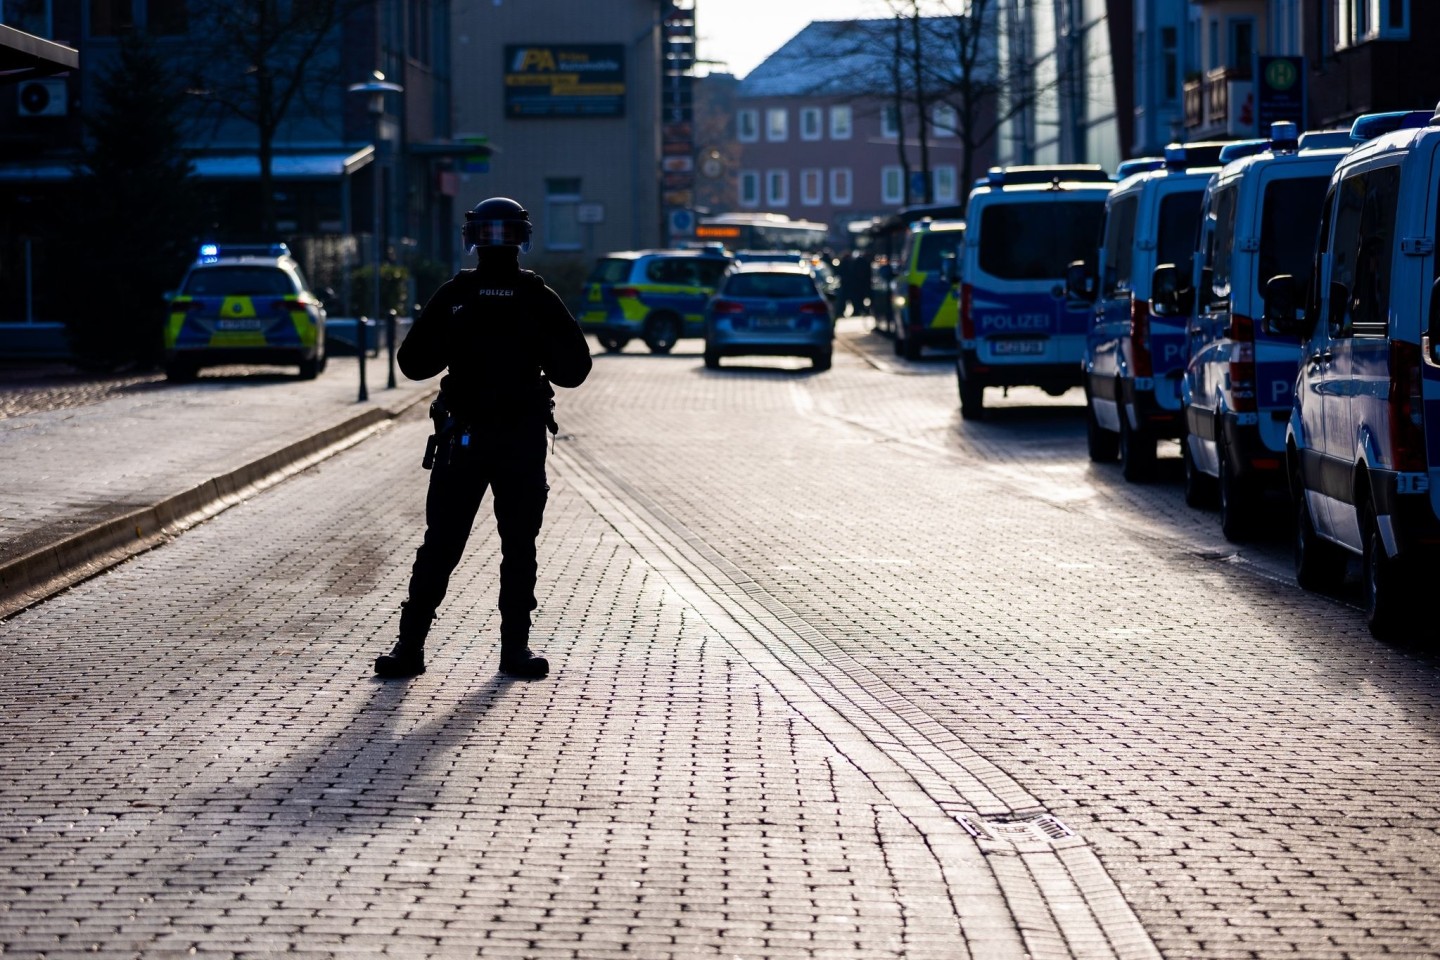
{"points": [[682, 223], [590, 213], [1280, 92]]}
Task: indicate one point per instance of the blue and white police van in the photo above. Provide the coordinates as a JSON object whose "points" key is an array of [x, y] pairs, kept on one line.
{"points": [[1132, 361], [1017, 327], [1258, 220], [1363, 440]]}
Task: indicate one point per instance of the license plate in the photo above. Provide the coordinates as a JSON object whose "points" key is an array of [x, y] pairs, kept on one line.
{"points": [[237, 325], [1017, 347], [772, 322]]}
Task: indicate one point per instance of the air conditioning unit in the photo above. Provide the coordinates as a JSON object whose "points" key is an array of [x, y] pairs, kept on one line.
{"points": [[42, 98]]}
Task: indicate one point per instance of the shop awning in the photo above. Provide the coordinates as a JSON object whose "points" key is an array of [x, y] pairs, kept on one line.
{"points": [[24, 56], [320, 165]]}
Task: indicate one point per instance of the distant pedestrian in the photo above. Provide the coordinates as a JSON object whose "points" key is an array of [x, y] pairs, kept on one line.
{"points": [[505, 337]]}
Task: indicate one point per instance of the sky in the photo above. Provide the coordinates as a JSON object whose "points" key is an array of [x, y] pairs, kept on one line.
{"points": [[744, 32]]}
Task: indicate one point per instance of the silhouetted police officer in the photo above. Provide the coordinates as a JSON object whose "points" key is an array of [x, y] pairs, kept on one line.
{"points": [[505, 337]]}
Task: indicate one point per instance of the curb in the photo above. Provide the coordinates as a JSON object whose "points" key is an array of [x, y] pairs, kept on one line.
{"points": [[44, 572]]}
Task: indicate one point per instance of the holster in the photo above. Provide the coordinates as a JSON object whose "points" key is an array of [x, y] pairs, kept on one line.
{"points": [[444, 427]]}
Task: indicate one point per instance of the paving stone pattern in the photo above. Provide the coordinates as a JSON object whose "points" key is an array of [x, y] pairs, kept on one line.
{"points": [[197, 761]]}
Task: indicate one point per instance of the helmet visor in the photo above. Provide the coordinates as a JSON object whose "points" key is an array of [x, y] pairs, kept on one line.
{"points": [[496, 233]]}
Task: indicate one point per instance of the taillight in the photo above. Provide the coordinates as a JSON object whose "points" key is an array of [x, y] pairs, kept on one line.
{"points": [[624, 292], [1242, 364], [289, 304], [815, 308], [1140, 338], [967, 315], [727, 306], [1407, 423]]}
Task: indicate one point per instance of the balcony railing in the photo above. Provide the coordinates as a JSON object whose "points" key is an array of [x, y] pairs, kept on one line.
{"points": [[1220, 103]]}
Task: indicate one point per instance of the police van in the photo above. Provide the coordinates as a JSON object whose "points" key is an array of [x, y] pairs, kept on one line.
{"points": [[1258, 220], [1132, 361], [244, 304], [923, 299], [656, 295], [1016, 326], [1363, 440]]}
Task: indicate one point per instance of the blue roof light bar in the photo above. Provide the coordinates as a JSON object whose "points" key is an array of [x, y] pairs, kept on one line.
{"points": [[1373, 125]]}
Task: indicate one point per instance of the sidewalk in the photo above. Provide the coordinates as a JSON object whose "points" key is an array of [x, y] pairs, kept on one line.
{"points": [[88, 486]]}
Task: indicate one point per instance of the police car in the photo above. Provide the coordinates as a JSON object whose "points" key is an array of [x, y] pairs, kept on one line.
{"points": [[1258, 220], [656, 295], [1016, 326], [924, 302], [1363, 440], [244, 304], [1132, 360]]}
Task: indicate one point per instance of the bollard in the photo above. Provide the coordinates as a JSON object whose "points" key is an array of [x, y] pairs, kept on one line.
{"points": [[390, 325], [360, 324]]}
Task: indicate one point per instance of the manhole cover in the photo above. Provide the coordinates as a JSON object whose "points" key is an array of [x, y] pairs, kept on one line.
{"points": [[1042, 829]]}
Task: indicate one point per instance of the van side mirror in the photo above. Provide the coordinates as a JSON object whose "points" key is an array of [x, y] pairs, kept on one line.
{"points": [[1080, 281], [950, 268], [1432, 331], [1168, 294], [1339, 301], [1282, 296]]}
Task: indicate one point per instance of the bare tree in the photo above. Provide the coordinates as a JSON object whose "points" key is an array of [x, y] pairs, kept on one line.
{"points": [[256, 61]]}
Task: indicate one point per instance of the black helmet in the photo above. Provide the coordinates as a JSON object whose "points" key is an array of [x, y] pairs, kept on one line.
{"points": [[497, 222]]}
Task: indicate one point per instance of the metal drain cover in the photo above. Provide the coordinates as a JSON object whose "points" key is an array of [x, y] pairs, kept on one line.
{"points": [[1042, 829]]}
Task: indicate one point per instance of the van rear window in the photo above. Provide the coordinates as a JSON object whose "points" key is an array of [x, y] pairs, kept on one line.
{"points": [[933, 246], [1036, 241], [611, 270], [1289, 218]]}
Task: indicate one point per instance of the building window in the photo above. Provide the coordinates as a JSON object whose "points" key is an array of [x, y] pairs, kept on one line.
{"points": [[1170, 63], [775, 124], [777, 188], [749, 188], [892, 185], [747, 125], [31, 16], [890, 121], [840, 186], [111, 18], [840, 123], [562, 228], [944, 120], [812, 187], [944, 180], [1242, 44], [810, 124]]}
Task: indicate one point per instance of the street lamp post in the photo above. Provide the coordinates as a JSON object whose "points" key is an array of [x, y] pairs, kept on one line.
{"points": [[375, 89]]}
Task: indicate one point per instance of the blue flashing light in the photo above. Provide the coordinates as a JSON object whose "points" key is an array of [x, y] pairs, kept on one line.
{"points": [[1242, 148], [1326, 140], [209, 252], [1374, 125], [1284, 136], [1128, 168]]}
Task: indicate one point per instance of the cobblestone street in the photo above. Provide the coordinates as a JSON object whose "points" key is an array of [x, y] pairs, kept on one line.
{"points": [[834, 674]]}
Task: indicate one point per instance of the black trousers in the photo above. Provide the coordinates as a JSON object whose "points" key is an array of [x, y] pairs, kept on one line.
{"points": [[511, 462]]}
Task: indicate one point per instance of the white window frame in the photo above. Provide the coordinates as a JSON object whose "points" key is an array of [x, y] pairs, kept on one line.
{"points": [[561, 208], [838, 177], [888, 195], [944, 120], [750, 185], [812, 123], [943, 181], [808, 177], [890, 121], [753, 116], [777, 124], [777, 197], [842, 122]]}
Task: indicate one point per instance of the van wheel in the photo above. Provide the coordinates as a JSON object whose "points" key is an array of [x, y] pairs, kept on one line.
{"points": [[821, 361], [1102, 445], [181, 371], [612, 343], [1384, 582], [1200, 488], [712, 360], [661, 332], [913, 348], [310, 369], [899, 344], [1137, 452], [972, 397], [1319, 564], [1239, 501]]}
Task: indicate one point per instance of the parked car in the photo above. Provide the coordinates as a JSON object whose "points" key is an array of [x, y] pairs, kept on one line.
{"points": [[769, 309], [1258, 220], [924, 301], [244, 304], [1363, 441], [657, 295], [1017, 327], [1132, 361]]}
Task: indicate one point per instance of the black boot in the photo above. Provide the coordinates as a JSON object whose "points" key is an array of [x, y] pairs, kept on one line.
{"points": [[407, 658], [518, 661]]}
